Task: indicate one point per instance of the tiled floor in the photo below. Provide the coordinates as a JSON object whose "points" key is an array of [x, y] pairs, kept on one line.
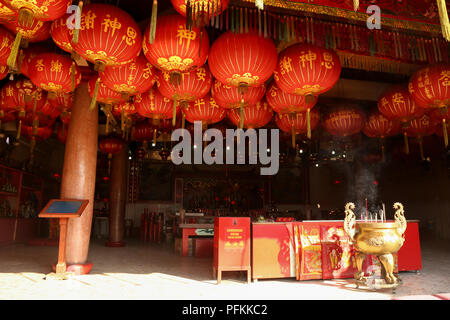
{"points": [[140, 271]]}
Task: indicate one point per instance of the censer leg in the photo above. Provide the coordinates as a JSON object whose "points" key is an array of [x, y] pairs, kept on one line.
{"points": [[360, 257], [387, 261]]}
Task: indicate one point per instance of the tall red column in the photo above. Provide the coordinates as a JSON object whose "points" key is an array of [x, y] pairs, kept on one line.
{"points": [[117, 196], [78, 178]]}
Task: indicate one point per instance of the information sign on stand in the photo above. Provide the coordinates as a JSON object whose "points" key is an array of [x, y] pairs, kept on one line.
{"points": [[63, 209], [231, 246]]}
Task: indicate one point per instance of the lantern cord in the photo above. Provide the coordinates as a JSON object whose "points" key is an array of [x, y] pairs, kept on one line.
{"points": [[308, 123], [444, 130], [76, 33], [188, 15], [421, 148], [122, 119], [94, 96], [241, 114], [443, 16], [107, 124], [11, 62], [155, 133], [355, 5], [154, 18], [383, 153], [405, 138]]}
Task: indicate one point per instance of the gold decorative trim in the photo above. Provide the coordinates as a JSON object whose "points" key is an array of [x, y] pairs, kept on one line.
{"points": [[351, 15]]}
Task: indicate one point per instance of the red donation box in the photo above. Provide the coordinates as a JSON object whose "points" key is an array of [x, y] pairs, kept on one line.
{"points": [[231, 246]]}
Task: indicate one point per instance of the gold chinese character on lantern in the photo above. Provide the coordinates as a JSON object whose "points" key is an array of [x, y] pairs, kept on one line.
{"points": [[199, 103], [201, 73], [87, 20], [185, 34], [308, 57], [213, 102], [9, 91], [147, 71], [55, 66], [130, 37], [328, 60], [40, 65], [111, 24], [5, 43], [445, 78], [398, 98], [285, 65]]}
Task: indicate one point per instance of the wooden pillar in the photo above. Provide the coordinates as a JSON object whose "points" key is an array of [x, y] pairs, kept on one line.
{"points": [[117, 198], [78, 178]]}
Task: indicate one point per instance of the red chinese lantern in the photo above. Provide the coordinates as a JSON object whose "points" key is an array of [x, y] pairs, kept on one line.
{"points": [[307, 70], [430, 86], [144, 132], [242, 60], [378, 126], [60, 33], [441, 117], [253, 117], [130, 79], [175, 48], [282, 102], [229, 97], [397, 104], [54, 73], [192, 86], [344, 121], [108, 36], [297, 123], [110, 146], [6, 39], [28, 54], [419, 128], [152, 104], [205, 110], [39, 31], [199, 12], [43, 10]]}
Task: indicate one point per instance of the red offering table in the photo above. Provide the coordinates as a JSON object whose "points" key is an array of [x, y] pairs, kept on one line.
{"points": [[195, 229], [231, 246], [273, 253]]}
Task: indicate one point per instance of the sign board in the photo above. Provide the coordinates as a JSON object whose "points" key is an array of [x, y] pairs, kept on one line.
{"points": [[63, 208]]}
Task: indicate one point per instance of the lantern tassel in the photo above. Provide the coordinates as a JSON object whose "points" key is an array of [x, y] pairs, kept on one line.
{"points": [[19, 130], [241, 114], [444, 130], [152, 33], [107, 124], [122, 119], [94, 96], [72, 77], [443, 16], [76, 33], [405, 138], [11, 62], [293, 136], [421, 149], [155, 132], [355, 5], [383, 152], [174, 117], [308, 123]]}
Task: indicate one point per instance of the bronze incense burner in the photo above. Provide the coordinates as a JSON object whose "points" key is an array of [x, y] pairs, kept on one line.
{"points": [[382, 239]]}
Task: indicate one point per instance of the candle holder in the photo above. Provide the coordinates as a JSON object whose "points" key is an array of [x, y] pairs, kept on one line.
{"points": [[382, 239]]}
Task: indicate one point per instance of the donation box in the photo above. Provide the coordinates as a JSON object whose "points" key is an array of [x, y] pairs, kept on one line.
{"points": [[231, 246]]}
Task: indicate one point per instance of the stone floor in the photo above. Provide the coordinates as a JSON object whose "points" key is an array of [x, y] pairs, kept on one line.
{"points": [[139, 271]]}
